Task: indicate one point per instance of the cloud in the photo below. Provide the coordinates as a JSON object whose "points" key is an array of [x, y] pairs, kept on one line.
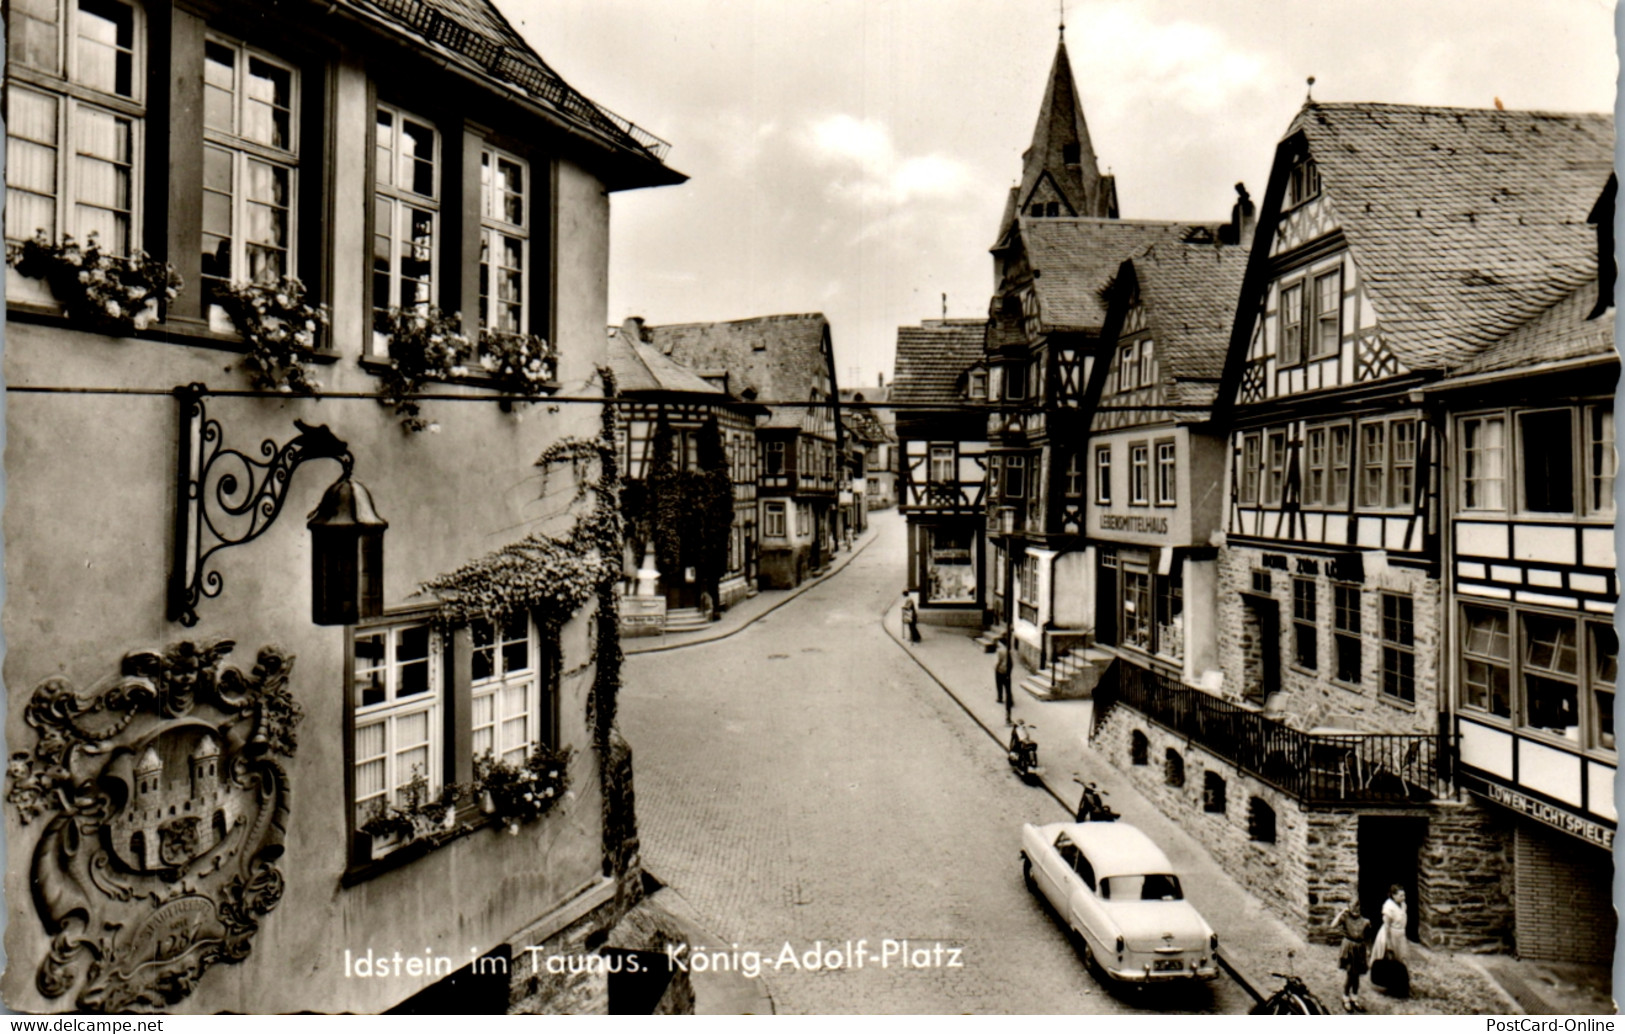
{"points": [[1177, 61], [866, 167]]}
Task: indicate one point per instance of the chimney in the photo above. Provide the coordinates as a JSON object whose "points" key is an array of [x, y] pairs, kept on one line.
{"points": [[881, 383], [1243, 217]]}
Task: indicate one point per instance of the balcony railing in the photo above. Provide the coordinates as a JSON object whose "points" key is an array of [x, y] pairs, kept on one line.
{"points": [[1315, 768]]}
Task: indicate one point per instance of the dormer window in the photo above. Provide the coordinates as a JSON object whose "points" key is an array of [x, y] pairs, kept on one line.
{"points": [[1304, 182], [977, 387]]}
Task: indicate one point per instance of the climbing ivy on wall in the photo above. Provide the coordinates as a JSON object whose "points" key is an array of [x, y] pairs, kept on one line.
{"points": [[687, 513]]}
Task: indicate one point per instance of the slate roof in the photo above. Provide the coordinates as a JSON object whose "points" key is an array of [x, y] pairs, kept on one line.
{"points": [[1189, 292], [1561, 333], [932, 358], [1465, 223], [639, 368], [1074, 259], [777, 357]]}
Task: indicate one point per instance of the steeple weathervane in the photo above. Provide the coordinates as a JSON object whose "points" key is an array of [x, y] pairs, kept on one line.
{"points": [[1063, 18]]}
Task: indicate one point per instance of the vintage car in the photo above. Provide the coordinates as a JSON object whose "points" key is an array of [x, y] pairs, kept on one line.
{"points": [[1116, 890]]}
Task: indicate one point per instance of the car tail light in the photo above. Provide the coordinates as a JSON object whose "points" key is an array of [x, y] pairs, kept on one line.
{"points": [[1213, 942]]}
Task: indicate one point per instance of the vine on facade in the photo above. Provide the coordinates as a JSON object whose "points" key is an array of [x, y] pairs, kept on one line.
{"points": [[109, 293], [688, 514]]}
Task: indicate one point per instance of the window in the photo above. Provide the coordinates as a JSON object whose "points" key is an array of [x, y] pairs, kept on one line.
{"points": [[1289, 352], [250, 165], [1326, 335], [1402, 465], [506, 711], [406, 211], [1247, 482], [1127, 367], [1170, 629], [1015, 477], [1547, 456], [1314, 464], [1173, 768], [1601, 463], [1398, 648], [1604, 671], [1070, 154], [1275, 466], [1213, 793], [802, 517], [74, 120], [1303, 182], [978, 384], [773, 461], [943, 470], [1486, 661], [1139, 474], [1136, 625], [1037, 208], [1015, 381], [1260, 821], [395, 694], [504, 241], [1138, 748], [1551, 672], [1341, 438], [1074, 476], [1167, 475], [1150, 887], [1346, 631], [773, 521], [1103, 474], [1261, 582], [1483, 463], [1373, 463], [1147, 375], [1304, 630], [1052, 208]]}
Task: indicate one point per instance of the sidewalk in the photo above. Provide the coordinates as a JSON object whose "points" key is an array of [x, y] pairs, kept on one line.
{"points": [[746, 611], [1253, 942]]}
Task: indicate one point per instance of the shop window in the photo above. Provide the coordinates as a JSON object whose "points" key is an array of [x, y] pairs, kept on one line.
{"points": [[1260, 821], [1170, 614], [773, 522], [1173, 768], [1138, 748], [1483, 463], [1139, 473], [1551, 672], [395, 694], [1136, 623], [1486, 661], [1103, 474], [1326, 334], [1167, 474], [504, 241], [951, 577], [1398, 648], [1546, 452], [1213, 793], [1305, 632], [1346, 632]]}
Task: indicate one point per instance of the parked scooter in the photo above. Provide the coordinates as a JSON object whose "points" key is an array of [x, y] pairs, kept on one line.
{"points": [[1092, 805], [1023, 752]]}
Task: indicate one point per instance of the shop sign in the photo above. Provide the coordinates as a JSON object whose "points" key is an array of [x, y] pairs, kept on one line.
{"points": [[1572, 824], [1134, 523]]}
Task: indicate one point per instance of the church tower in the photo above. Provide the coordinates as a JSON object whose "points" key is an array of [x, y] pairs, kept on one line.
{"points": [[1060, 175]]}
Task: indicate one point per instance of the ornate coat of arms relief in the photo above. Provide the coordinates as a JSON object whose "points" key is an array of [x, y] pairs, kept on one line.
{"points": [[164, 805]]}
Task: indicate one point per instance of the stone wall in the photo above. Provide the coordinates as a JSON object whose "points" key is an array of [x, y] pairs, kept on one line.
{"points": [[1565, 908], [1464, 880], [1313, 697]]}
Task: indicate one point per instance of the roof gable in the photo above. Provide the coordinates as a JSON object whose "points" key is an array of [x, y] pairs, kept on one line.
{"points": [[932, 359], [1072, 260], [778, 358]]}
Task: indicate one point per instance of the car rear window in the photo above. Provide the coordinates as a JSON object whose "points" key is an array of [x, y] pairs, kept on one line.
{"points": [[1155, 887]]}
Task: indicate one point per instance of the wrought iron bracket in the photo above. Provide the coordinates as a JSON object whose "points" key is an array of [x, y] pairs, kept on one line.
{"points": [[224, 497]]}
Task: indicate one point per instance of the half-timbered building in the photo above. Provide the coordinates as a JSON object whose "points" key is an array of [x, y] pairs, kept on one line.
{"points": [[693, 416], [787, 362], [1531, 654], [1394, 243], [941, 381]]}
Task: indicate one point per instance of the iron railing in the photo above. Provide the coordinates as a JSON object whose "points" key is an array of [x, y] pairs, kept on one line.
{"points": [[1315, 768]]}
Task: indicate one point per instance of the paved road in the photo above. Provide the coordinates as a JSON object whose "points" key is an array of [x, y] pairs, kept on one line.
{"points": [[804, 781]]}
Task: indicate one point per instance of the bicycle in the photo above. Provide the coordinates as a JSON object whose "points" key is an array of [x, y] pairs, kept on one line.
{"points": [[1292, 999]]}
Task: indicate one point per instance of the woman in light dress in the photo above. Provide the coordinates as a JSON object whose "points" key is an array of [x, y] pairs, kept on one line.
{"points": [[1390, 942]]}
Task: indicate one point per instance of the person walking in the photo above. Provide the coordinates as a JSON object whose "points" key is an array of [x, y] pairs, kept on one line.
{"points": [[1388, 951], [1001, 678], [911, 618], [1351, 959]]}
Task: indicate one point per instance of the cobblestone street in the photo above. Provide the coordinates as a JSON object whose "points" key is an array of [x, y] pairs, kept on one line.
{"points": [[805, 781]]}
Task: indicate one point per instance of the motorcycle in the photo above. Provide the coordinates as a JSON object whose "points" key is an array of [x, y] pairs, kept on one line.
{"points": [[1023, 752], [1092, 805]]}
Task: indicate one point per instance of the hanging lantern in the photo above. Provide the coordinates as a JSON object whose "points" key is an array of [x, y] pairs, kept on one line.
{"points": [[347, 555]]}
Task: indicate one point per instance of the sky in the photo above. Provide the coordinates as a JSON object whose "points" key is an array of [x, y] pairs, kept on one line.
{"points": [[852, 157]]}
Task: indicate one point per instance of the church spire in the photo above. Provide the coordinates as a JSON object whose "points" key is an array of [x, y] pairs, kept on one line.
{"points": [[1060, 172]]}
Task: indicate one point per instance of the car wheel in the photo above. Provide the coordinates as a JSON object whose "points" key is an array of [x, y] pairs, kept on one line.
{"points": [[1089, 956], [1027, 875]]}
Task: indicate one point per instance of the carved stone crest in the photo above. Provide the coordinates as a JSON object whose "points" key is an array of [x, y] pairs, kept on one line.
{"points": [[164, 806]]}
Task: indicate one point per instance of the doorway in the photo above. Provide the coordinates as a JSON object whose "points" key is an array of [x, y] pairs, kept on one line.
{"points": [[1389, 846], [1260, 647]]}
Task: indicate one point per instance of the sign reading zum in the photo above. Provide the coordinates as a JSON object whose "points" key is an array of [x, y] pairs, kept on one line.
{"points": [[643, 615], [1135, 523], [1569, 823]]}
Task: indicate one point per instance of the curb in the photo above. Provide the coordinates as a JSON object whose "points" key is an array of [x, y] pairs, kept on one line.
{"points": [[737, 991], [851, 554], [1224, 963]]}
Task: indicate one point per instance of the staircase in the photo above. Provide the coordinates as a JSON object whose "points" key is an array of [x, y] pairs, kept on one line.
{"points": [[989, 639], [686, 619], [1071, 676]]}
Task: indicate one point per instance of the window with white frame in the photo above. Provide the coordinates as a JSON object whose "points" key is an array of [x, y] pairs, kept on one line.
{"points": [[1139, 474], [1015, 477], [1249, 461], [74, 119], [1073, 488], [1601, 462], [1326, 333], [250, 165], [1342, 437], [977, 385], [1303, 182], [1147, 375], [1551, 673], [943, 466], [504, 241], [1137, 613], [1486, 660], [773, 520], [1373, 463], [505, 720], [1483, 462], [1398, 647], [395, 694], [1127, 367], [1274, 466], [1388, 463], [803, 515], [1103, 474], [1604, 669], [1167, 474], [406, 210], [773, 458], [1289, 321]]}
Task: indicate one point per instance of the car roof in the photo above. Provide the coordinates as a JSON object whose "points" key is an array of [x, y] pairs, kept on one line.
{"points": [[1116, 848]]}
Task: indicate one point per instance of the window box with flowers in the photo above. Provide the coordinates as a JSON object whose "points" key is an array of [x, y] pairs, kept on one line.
{"points": [[280, 327], [424, 344], [519, 364], [107, 293], [420, 817], [516, 794]]}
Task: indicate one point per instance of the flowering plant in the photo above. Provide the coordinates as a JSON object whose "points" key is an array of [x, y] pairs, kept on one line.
{"points": [[422, 815], [111, 293], [424, 344], [522, 364], [519, 793], [279, 327]]}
